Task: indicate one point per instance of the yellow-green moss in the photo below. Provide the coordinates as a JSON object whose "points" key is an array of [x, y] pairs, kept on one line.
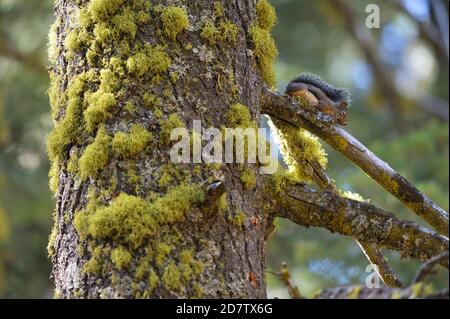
{"points": [[299, 148], [101, 9], [151, 100], [71, 42], [266, 52], [218, 9], [152, 281], [248, 178], [125, 24], [121, 257], [169, 124], [128, 145], [96, 155], [67, 130], [354, 293], [99, 109], [420, 290], [266, 15], [130, 220], [239, 116], [238, 219], [149, 60], [162, 251], [175, 20], [94, 264], [84, 18], [53, 175], [225, 31], [210, 33], [171, 277], [72, 164], [109, 82], [54, 95]]}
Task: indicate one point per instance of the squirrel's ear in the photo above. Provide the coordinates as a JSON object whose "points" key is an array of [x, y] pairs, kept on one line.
{"points": [[343, 106]]}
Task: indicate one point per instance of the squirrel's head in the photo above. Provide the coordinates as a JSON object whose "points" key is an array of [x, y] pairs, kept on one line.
{"points": [[341, 116]]}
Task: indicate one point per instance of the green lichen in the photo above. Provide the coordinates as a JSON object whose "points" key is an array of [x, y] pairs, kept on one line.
{"points": [[175, 20], [248, 178], [150, 60], [96, 155], [121, 257], [169, 124], [266, 15], [101, 9], [129, 145]]}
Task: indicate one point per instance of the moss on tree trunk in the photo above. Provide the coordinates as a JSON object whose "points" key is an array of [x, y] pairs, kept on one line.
{"points": [[128, 222]]}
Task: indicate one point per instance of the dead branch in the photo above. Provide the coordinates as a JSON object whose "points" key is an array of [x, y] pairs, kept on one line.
{"points": [[285, 108]]}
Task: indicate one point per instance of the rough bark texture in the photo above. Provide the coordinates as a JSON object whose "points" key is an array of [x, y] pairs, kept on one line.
{"points": [[218, 253]]}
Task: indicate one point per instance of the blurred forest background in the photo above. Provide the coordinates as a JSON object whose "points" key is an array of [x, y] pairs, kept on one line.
{"points": [[399, 78]]}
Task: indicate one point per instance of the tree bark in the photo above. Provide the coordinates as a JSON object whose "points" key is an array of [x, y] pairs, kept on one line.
{"points": [[210, 254]]}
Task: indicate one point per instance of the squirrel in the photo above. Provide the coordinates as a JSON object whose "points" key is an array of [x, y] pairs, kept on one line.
{"points": [[318, 93]]}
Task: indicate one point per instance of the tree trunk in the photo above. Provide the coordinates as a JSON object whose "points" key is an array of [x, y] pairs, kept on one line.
{"points": [[128, 222]]}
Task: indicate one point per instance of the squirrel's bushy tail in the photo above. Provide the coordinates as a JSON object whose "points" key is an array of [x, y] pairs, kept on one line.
{"points": [[335, 94]]}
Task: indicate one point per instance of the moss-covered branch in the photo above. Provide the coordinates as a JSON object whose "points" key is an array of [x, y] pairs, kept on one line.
{"points": [[362, 221], [285, 108], [417, 291]]}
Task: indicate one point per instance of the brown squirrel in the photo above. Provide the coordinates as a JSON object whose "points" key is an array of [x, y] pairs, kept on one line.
{"points": [[318, 93]]}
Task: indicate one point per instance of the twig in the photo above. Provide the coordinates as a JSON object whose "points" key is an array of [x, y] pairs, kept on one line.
{"points": [[285, 276], [428, 266], [280, 106]]}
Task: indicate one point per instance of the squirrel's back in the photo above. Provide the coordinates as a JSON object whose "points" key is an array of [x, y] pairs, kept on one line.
{"points": [[335, 94]]}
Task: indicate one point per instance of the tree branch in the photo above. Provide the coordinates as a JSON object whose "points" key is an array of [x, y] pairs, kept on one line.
{"points": [[427, 268], [310, 119], [362, 221], [359, 292]]}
